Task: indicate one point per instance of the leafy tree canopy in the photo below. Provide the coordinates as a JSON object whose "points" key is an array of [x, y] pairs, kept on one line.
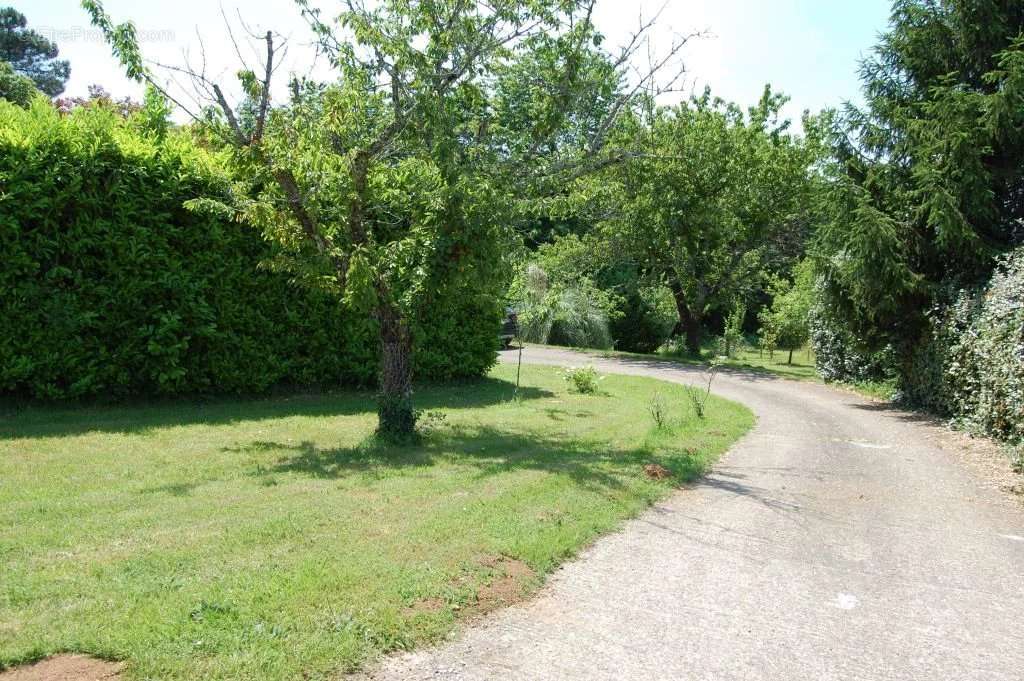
{"points": [[787, 321], [15, 87], [446, 121], [713, 201]]}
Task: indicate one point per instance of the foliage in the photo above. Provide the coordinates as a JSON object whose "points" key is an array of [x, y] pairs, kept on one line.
{"points": [[839, 356], [972, 367], [402, 173], [111, 288], [557, 300], [583, 380], [14, 87], [31, 54], [786, 324], [698, 395], [926, 185], [646, 316], [767, 334], [732, 336], [573, 291], [98, 96], [714, 200], [658, 407]]}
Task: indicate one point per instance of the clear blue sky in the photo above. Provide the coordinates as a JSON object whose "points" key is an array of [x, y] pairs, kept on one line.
{"points": [[807, 48]]}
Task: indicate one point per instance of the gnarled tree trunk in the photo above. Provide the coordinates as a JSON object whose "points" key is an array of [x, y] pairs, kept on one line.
{"points": [[689, 324], [396, 418]]}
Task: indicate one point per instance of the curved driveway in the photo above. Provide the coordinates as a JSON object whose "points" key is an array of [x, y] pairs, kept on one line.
{"points": [[835, 541]]}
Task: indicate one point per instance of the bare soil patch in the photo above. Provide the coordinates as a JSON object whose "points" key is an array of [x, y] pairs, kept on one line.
{"points": [[656, 471], [66, 668], [506, 587], [426, 605]]}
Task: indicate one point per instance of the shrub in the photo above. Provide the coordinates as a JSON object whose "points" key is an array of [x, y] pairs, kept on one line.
{"points": [[583, 380], [972, 365], [659, 411], [14, 87], [698, 395], [839, 357], [732, 335], [110, 287], [986, 370], [648, 316], [574, 316]]}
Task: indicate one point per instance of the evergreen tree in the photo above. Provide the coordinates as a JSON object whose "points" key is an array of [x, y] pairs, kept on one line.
{"points": [[929, 183], [31, 54]]}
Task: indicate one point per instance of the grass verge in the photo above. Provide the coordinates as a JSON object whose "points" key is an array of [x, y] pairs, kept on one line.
{"points": [[273, 539], [802, 368]]}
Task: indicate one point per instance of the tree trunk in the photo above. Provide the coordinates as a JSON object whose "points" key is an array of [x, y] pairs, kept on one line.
{"points": [[689, 322], [790, 356], [396, 418]]}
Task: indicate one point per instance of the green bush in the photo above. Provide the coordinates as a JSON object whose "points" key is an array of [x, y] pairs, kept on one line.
{"points": [[14, 87], [583, 380], [838, 356], [554, 312], [648, 317], [109, 287], [972, 365]]}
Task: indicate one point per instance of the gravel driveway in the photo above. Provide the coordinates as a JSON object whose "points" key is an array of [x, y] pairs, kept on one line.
{"points": [[836, 541]]}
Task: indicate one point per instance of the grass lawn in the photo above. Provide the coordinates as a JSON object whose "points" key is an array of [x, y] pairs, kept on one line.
{"points": [[747, 359], [273, 539]]}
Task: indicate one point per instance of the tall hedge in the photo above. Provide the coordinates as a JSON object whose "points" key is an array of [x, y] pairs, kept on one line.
{"points": [[109, 287], [971, 366]]}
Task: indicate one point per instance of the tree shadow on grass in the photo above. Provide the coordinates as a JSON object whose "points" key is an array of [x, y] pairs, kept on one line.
{"points": [[37, 421], [491, 451]]}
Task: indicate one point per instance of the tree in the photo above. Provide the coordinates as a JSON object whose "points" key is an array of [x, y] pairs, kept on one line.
{"points": [[399, 177], [732, 334], [14, 87], [786, 324], [98, 96], [927, 184], [713, 201], [31, 54]]}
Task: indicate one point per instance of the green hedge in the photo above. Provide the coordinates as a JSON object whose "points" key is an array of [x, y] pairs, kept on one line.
{"points": [[971, 366], [109, 287]]}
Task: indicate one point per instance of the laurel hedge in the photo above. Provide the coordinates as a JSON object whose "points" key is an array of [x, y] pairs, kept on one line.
{"points": [[109, 287]]}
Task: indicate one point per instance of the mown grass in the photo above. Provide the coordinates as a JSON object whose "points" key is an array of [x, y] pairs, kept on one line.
{"points": [[802, 368], [746, 359], [274, 539]]}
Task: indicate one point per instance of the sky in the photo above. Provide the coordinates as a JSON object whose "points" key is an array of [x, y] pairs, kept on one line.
{"points": [[808, 49]]}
